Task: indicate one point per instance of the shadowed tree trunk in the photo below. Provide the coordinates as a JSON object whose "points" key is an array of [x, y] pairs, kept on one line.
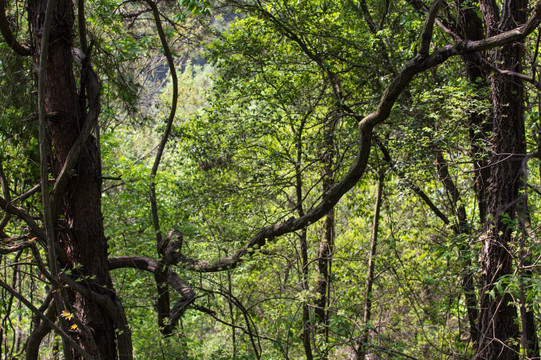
{"points": [[499, 333], [80, 228]]}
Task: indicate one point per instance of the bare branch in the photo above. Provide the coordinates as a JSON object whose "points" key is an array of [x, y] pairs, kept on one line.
{"points": [[165, 137], [29, 193], [10, 248], [161, 275], [25, 216], [426, 35], [511, 73], [8, 35], [153, 266]]}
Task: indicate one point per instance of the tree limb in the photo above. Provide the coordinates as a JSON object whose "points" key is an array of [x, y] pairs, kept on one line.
{"points": [[8, 35], [25, 216], [417, 190], [426, 35], [148, 264], [161, 275], [10, 248], [165, 137]]}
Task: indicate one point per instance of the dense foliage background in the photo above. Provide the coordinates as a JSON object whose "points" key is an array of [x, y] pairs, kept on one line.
{"points": [[264, 117]]}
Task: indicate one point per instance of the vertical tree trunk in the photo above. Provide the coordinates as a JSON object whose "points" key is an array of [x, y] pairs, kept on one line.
{"points": [[362, 347], [499, 331], [324, 261], [303, 239], [80, 231], [306, 321], [461, 228], [479, 123], [326, 245]]}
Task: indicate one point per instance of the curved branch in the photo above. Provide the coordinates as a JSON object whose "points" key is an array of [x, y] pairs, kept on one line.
{"points": [[161, 275], [148, 264], [9, 248], [418, 64], [25, 216], [8, 35], [165, 137]]}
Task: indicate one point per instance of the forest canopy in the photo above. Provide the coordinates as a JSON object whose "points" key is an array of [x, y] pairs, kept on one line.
{"points": [[267, 179]]}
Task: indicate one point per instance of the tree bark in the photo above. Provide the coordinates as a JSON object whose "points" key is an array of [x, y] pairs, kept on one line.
{"points": [[499, 333], [80, 231]]}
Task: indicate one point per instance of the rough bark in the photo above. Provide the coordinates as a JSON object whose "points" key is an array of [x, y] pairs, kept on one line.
{"points": [[80, 232], [499, 331]]}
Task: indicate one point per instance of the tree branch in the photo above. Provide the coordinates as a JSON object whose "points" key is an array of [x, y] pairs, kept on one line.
{"points": [[25, 216], [8, 35], [426, 35], [165, 137], [10, 248], [161, 275], [148, 264], [417, 190]]}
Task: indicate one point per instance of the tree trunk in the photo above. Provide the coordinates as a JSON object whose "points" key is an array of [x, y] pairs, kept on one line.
{"points": [[362, 347], [326, 245], [499, 333], [479, 124], [80, 231], [303, 243]]}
